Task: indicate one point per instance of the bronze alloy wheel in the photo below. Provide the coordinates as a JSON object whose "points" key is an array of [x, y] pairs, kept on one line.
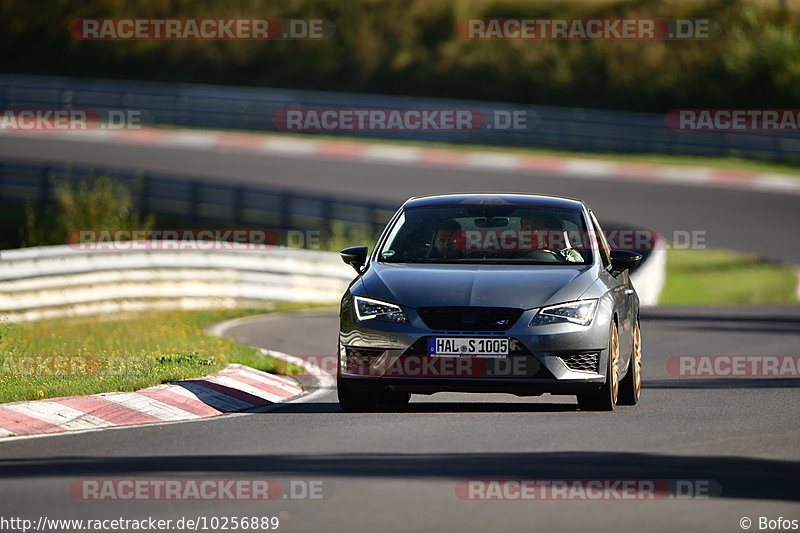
{"points": [[631, 384], [605, 399], [614, 366], [637, 359]]}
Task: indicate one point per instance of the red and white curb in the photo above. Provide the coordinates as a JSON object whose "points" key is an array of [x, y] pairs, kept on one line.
{"points": [[324, 381], [234, 389], [566, 167]]}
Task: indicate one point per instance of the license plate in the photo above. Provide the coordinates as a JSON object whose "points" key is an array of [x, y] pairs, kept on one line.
{"points": [[466, 347]]}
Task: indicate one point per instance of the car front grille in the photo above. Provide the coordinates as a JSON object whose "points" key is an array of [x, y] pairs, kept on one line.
{"points": [[469, 318], [586, 362]]}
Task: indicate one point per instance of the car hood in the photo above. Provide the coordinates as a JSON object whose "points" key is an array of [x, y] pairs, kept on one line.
{"points": [[523, 287]]}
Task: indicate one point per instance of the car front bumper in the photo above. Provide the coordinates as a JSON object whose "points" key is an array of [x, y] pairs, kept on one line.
{"points": [[556, 358]]}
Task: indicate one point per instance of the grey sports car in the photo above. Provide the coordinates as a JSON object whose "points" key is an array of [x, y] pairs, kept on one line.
{"points": [[514, 293]]}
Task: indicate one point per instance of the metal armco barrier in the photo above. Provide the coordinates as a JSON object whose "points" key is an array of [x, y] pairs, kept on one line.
{"points": [[212, 106], [50, 281]]}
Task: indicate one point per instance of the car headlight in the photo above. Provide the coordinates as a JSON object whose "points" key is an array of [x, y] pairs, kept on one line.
{"points": [[367, 309], [580, 312]]}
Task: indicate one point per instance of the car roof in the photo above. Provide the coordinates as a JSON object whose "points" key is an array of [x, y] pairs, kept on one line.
{"points": [[521, 199]]}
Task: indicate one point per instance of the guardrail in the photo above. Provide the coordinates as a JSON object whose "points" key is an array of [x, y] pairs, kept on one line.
{"points": [[213, 106], [194, 200], [51, 281]]}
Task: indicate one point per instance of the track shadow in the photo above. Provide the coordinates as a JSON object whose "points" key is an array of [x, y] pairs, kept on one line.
{"points": [[736, 477], [733, 328], [723, 383], [436, 407], [221, 397], [767, 322], [694, 316]]}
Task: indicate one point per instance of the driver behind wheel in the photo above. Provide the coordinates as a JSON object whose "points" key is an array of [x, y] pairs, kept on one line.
{"points": [[549, 240], [444, 241]]}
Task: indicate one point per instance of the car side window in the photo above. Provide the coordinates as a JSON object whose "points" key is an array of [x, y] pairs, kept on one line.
{"points": [[605, 250]]}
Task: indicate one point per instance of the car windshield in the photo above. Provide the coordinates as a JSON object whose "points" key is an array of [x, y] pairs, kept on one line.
{"points": [[488, 235]]}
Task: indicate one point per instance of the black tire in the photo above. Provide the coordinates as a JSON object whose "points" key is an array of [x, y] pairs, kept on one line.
{"points": [[356, 401], [605, 399], [630, 387], [393, 399]]}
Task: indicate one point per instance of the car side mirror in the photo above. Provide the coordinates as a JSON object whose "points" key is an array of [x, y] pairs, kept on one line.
{"points": [[356, 257], [622, 260]]}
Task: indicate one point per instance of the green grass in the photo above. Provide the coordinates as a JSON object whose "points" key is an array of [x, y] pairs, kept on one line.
{"points": [[76, 356], [721, 277]]}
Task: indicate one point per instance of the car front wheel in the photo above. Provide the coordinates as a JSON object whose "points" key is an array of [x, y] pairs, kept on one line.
{"points": [[630, 388], [606, 398]]}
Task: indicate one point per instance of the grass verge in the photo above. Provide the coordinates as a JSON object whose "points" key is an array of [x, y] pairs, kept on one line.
{"points": [[76, 356], [721, 277]]}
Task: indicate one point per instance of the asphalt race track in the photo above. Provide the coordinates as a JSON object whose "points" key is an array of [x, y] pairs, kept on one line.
{"points": [[397, 471]]}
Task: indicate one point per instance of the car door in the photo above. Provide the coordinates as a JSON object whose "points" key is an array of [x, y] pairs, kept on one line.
{"points": [[621, 291]]}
